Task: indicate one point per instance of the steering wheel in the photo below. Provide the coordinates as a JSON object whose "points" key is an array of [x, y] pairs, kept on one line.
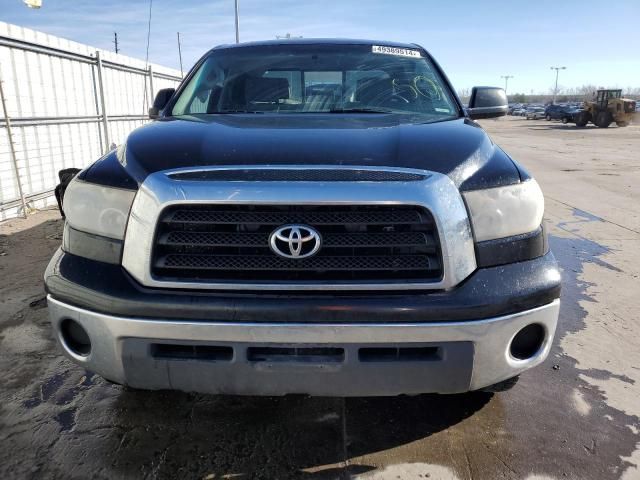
{"points": [[396, 96], [426, 87], [403, 92]]}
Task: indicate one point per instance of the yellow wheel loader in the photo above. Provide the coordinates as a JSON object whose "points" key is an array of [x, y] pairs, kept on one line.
{"points": [[608, 107]]}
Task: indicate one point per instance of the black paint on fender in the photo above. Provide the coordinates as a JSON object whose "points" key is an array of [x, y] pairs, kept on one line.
{"points": [[109, 172]]}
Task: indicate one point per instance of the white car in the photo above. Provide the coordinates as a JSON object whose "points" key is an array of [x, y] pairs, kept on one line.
{"points": [[535, 113]]}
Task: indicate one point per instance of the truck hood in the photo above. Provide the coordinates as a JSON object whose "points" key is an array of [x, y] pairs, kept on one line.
{"points": [[458, 148]]}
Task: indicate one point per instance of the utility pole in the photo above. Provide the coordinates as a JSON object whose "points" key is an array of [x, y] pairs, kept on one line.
{"points": [[180, 55], [506, 81], [115, 41], [555, 90], [237, 24]]}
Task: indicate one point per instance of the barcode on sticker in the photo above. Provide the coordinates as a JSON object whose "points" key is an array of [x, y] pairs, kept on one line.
{"points": [[403, 52]]}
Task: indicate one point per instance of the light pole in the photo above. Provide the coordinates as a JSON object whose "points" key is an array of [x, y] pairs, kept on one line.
{"points": [[506, 81], [180, 55], [237, 24], [555, 90]]}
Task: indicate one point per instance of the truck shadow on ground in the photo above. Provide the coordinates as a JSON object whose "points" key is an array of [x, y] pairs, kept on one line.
{"points": [[275, 437]]}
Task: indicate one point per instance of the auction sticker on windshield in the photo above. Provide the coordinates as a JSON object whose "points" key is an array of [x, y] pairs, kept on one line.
{"points": [[402, 52]]}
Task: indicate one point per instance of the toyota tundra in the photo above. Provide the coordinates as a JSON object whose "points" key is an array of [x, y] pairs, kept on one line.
{"points": [[320, 217]]}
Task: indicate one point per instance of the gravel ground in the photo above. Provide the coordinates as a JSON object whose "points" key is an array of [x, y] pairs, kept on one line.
{"points": [[576, 416]]}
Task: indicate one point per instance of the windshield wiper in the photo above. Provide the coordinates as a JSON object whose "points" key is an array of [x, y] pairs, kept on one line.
{"points": [[359, 110]]}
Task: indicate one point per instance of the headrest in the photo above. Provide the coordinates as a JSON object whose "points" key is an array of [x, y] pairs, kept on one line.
{"points": [[261, 89]]}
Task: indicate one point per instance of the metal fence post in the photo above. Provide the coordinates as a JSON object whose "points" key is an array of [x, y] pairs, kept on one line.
{"points": [[105, 119], [151, 97], [14, 158], [97, 103]]}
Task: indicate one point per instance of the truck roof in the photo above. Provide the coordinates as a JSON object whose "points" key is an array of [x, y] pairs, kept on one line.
{"points": [[318, 41]]}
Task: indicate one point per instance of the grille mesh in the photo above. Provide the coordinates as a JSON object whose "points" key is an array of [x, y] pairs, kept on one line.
{"points": [[263, 262], [360, 243], [266, 217], [222, 239]]}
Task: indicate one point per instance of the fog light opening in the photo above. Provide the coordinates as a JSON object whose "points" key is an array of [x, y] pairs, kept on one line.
{"points": [[75, 337], [527, 342]]}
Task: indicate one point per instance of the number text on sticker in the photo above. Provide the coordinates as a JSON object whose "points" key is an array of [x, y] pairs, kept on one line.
{"points": [[402, 52]]}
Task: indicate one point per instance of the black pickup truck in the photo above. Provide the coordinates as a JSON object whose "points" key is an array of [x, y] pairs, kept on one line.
{"points": [[307, 216]]}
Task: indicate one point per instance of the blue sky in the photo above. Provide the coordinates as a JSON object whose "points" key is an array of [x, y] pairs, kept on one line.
{"points": [[475, 41]]}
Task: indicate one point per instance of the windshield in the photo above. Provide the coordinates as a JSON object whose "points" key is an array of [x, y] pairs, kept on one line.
{"points": [[285, 79]]}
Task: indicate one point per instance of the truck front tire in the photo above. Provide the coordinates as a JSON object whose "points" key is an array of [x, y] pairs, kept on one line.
{"points": [[582, 119], [603, 119]]}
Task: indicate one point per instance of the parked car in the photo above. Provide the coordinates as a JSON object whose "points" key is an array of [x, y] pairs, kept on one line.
{"points": [[535, 113], [519, 112], [564, 113], [513, 108], [255, 241], [528, 108]]}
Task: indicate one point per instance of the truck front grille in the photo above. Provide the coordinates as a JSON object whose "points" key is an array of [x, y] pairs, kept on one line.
{"points": [[219, 243]]}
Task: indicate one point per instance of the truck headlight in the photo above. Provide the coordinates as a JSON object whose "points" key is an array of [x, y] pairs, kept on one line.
{"points": [[505, 211], [96, 220]]}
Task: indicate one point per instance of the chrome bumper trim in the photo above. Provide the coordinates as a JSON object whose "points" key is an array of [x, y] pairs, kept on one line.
{"points": [[491, 338], [437, 193]]}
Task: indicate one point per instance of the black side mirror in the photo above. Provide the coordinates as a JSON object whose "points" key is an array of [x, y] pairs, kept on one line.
{"points": [[487, 102], [161, 100]]}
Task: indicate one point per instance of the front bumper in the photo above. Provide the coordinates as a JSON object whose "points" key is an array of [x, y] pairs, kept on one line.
{"points": [[465, 355], [207, 341]]}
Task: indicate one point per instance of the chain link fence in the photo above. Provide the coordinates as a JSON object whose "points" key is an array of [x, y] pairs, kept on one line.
{"points": [[65, 105]]}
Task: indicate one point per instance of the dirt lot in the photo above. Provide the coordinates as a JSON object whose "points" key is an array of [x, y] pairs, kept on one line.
{"points": [[577, 416]]}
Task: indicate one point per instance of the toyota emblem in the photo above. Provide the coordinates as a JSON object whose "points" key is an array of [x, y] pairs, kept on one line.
{"points": [[295, 241]]}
